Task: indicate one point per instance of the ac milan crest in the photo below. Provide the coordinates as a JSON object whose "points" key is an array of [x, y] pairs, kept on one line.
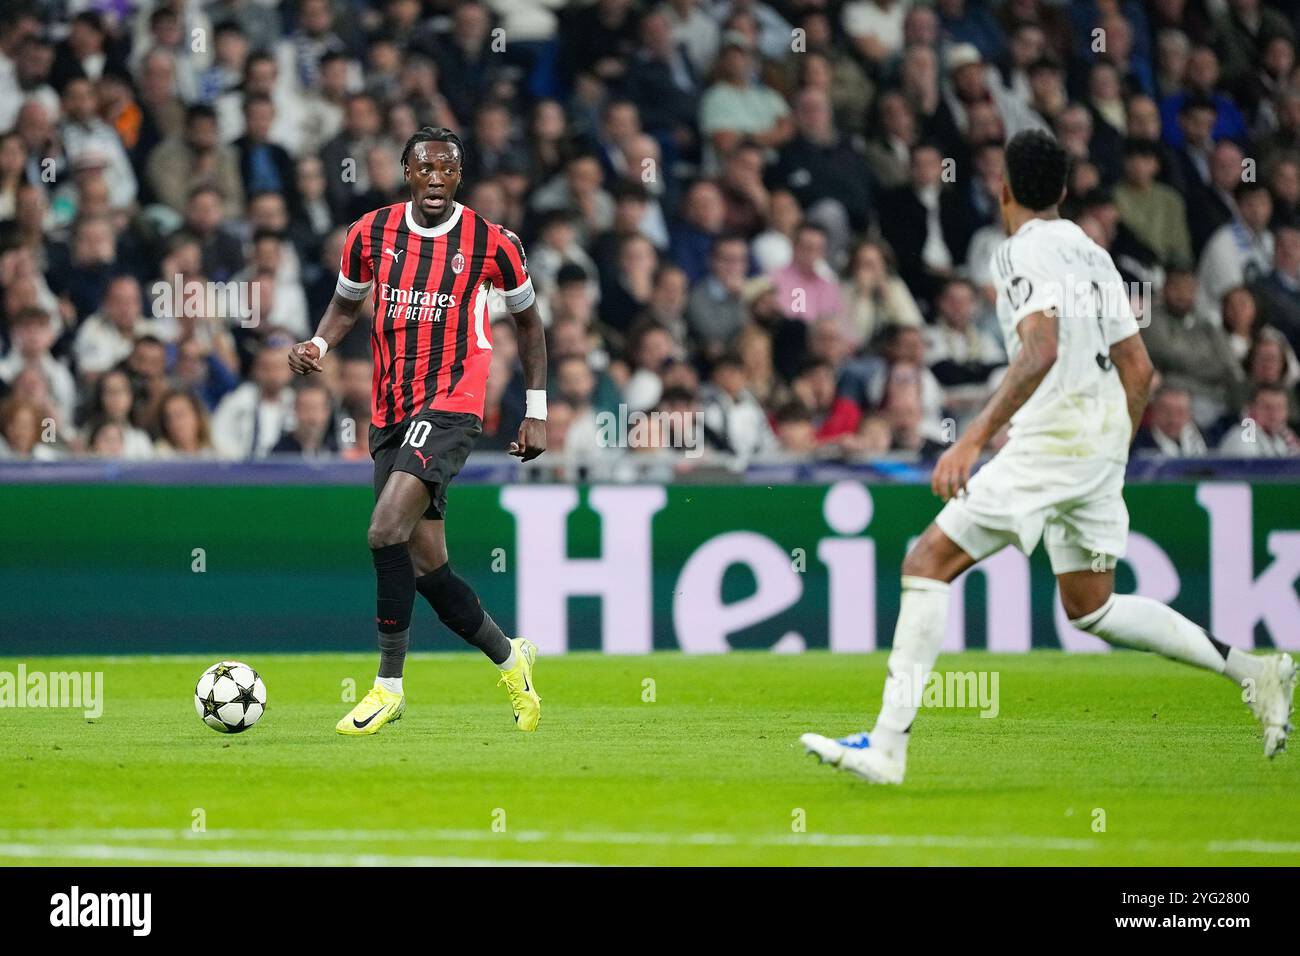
{"points": [[458, 264]]}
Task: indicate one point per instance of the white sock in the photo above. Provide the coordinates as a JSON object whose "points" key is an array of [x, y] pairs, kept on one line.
{"points": [[1130, 620], [922, 622], [510, 661], [391, 684]]}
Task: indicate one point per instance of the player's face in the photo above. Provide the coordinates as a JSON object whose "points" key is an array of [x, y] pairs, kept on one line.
{"points": [[433, 172]]}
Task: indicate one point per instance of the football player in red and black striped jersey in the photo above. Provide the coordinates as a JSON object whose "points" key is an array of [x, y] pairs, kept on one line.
{"points": [[428, 264]]}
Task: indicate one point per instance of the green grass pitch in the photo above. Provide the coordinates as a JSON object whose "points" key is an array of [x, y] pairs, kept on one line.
{"points": [[1109, 759]]}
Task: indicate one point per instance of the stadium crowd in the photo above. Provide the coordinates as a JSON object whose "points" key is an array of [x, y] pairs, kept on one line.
{"points": [[775, 218]]}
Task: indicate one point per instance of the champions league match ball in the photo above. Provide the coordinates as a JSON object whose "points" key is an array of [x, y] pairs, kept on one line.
{"points": [[230, 697]]}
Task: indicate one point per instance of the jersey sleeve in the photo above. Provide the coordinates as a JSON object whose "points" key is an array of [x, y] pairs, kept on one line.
{"points": [[1025, 282], [355, 270], [508, 271]]}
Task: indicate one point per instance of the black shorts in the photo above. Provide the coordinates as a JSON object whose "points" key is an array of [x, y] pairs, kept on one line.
{"points": [[432, 446]]}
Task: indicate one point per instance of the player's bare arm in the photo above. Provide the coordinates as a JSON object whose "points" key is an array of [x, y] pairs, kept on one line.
{"points": [[532, 352], [1037, 355], [340, 316], [1131, 361]]}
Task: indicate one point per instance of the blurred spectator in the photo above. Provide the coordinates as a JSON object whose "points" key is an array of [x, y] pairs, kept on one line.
{"points": [[1271, 362], [183, 428], [250, 420], [31, 338], [1240, 322], [927, 224], [112, 405], [715, 311], [807, 289], [874, 296], [1170, 430], [84, 134], [964, 353], [734, 421], [181, 164], [20, 431], [1264, 432], [1153, 211], [313, 434], [1241, 251], [736, 106], [1192, 352], [833, 415], [105, 338], [1278, 292], [795, 432], [889, 151], [702, 220], [818, 164]]}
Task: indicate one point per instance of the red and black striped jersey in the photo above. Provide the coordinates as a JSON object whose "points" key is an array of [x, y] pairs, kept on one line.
{"points": [[432, 340]]}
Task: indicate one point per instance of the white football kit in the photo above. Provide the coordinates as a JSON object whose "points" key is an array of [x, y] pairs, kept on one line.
{"points": [[1060, 476]]}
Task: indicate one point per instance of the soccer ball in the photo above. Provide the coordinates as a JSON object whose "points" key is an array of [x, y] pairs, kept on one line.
{"points": [[230, 697]]}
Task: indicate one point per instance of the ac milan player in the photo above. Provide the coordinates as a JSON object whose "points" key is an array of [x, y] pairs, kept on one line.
{"points": [[430, 262]]}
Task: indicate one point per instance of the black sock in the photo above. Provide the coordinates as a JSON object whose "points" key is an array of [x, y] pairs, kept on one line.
{"points": [[457, 606], [394, 602], [392, 653]]}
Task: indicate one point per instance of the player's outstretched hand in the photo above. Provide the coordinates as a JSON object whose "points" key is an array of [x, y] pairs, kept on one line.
{"points": [[532, 439], [304, 358], [952, 470]]}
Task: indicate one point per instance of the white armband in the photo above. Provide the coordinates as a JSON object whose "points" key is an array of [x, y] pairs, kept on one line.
{"points": [[521, 298], [321, 344], [348, 289], [535, 404]]}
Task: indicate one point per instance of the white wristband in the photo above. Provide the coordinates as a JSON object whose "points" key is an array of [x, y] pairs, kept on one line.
{"points": [[535, 404], [321, 344]]}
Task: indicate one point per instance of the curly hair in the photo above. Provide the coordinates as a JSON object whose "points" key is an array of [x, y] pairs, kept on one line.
{"points": [[1037, 166]]}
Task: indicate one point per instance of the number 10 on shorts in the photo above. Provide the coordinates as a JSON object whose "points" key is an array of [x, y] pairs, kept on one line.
{"points": [[417, 434]]}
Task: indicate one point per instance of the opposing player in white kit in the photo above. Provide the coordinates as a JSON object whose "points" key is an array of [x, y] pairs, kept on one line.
{"points": [[1074, 393]]}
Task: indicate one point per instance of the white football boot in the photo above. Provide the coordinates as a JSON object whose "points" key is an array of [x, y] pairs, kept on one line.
{"points": [[855, 754], [1271, 703]]}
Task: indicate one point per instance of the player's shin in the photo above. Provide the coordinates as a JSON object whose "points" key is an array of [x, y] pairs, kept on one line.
{"points": [[1129, 620], [922, 622], [394, 602], [457, 606]]}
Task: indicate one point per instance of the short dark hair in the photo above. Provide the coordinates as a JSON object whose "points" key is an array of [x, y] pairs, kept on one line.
{"points": [[792, 413], [1266, 388], [1037, 166], [432, 134], [1247, 186], [198, 111], [1197, 101], [1141, 146]]}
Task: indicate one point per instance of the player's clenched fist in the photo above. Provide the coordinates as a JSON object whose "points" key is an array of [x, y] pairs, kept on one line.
{"points": [[304, 358], [532, 439]]}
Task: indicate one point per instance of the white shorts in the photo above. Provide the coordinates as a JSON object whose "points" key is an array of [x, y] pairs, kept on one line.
{"points": [[1076, 505]]}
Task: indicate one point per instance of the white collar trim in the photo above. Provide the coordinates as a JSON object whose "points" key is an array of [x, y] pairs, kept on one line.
{"points": [[439, 230]]}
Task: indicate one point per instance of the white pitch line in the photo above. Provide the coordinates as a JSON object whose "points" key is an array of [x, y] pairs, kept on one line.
{"points": [[616, 838], [217, 857], [1253, 846]]}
